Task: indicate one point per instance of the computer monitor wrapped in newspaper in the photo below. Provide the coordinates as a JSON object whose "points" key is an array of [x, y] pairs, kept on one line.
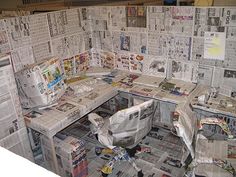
{"points": [[40, 84]]}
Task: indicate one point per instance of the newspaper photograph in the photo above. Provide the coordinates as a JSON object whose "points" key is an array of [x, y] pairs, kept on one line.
{"points": [[122, 61], [107, 59], [155, 66], [82, 62], [136, 63], [68, 67], [136, 16]]}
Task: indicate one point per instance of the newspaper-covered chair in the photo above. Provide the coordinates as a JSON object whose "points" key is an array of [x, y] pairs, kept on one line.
{"points": [[125, 129], [211, 158]]}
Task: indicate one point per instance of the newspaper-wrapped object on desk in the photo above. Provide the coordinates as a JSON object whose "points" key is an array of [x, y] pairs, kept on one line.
{"points": [[40, 84]]}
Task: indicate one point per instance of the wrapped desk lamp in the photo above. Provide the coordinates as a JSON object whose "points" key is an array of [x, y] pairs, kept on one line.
{"points": [[125, 129], [40, 84]]}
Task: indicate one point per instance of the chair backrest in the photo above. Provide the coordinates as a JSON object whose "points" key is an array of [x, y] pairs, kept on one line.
{"points": [[129, 126]]}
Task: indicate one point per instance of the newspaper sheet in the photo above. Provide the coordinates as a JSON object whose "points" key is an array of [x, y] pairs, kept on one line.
{"points": [[22, 57], [107, 59], [18, 31], [4, 41], [82, 62], [207, 151], [214, 45], [18, 143], [122, 61], [225, 78], [132, 42], [11, 118], [185, 124], [95, 58], [42, 51], [38, 26], [102, 40], [205, 74], [68, 46], [178, 20], [118, 18], [64, 22], [186, 71], [155, 66], [169, 46]]}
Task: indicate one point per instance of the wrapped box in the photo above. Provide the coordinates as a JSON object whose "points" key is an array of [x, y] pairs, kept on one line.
{"points": [[71, 156], [40, 84]]}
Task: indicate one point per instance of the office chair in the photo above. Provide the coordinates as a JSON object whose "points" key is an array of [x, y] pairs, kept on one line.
{"points": [[124, 129]]}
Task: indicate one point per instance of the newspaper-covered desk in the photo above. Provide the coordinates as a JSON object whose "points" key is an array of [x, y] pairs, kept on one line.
{"points": [[218, 105], [69, 109]]}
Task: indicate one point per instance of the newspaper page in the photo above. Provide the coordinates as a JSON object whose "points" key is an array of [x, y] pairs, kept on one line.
{"points": [[207, 20], [68, 46], [82, 61], [205, 74], [122, 61], [224, 78], [102, 40], [10, 114], [136, 63], [42, 51], [40, 37], [178, 20], [64, 22], [38, 26], [22, 57], [185, 124], [132, 42], [207, 151], [95, 58], [214, 45], [18, 31], [118, 18], [186, 71], [155, 66], [107, 59], [4, 42], [172, 47]]}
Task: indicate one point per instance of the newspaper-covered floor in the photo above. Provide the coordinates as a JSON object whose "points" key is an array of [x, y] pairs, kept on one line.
{"points": [[162, 161]]}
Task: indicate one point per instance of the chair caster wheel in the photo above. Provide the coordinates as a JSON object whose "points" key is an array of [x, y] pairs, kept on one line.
{"points": [[140, 173]]}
